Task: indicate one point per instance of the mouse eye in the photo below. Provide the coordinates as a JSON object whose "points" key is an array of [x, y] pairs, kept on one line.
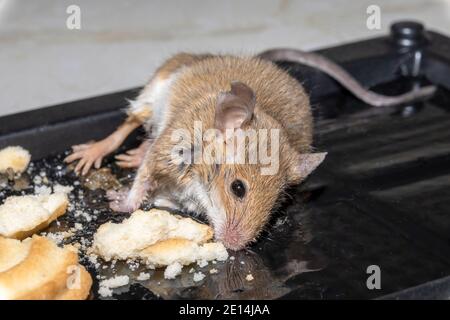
{"points": [[238, 188]]}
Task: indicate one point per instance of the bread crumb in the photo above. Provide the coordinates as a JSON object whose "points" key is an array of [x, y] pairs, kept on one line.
{"points": [[199, 276], [58, 237], [213, 271], [249, 277], [62, 189], [202, 263], [105, 292], [37, 180], [85, 215], [42, 190], [173, 270], [115, 282], [111, 283], [143, 276], [93, 259], [133, 264], [192, 270]]}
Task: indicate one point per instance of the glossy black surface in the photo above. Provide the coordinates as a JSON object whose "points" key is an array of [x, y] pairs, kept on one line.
{"points": [[380, 198]]}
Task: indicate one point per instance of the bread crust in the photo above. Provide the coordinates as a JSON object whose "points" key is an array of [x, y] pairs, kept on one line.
{"points": [[61, 210], [15, 158], [23, 234], [82, 293], [43, 273], [12, 252], [168, 251]]}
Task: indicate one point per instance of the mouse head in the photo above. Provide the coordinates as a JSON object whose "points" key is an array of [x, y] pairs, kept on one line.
{"points": [[245, 165]]}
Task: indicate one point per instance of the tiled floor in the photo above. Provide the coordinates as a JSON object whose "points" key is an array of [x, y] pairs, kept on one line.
{"points": [[121, 42]]}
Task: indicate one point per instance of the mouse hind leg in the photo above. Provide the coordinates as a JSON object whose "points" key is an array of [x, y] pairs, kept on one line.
{"points": [[145, 106], [130, 200], [151, 106]]}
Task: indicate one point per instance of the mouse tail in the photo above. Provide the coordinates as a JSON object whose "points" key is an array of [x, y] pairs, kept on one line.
{"points": [[344, 78]]}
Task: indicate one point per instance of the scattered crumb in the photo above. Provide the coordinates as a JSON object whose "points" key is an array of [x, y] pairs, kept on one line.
{"points": [[133, 264], [199, 276], [42, 190], [213, 271], [115, 282], [111, 283], [62, 189], [280, 222], [93, 259], [173, 270], [249, 277], [192, 270], [58, 237], [202, 263], [143, 276], [37, 180], [105, 292], [79, 213], [232, 258], [242, 262]]}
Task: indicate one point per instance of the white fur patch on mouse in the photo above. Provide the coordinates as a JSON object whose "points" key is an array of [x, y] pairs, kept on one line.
{"points": [[161, 201], [196, 197], [156, 94]]}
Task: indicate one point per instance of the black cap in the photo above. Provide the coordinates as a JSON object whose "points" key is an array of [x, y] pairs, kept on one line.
{"points": [[408, 34]]}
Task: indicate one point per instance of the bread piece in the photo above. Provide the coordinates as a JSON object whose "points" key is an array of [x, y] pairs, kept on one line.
{"points": [[143, 229], [164, 253], [16, 158], [37, 269], [185, 252], [12, 252], [80, 293], [22, 216]]}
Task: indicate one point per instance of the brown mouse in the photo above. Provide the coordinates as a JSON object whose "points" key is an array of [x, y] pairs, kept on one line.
{"points": [[223, 94]]}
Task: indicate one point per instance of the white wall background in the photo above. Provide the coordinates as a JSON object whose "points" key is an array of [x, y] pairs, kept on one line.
{"points": [[121, 42]]}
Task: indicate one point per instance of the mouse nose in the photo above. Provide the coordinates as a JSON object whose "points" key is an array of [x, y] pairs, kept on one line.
{"points": [[232, 239]]}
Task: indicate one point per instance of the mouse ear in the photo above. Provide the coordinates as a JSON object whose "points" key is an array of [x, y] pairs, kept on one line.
{"points": [[305, 164], [234, 108]]}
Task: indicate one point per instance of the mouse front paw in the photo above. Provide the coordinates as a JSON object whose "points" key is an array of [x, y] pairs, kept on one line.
{"points": [[88, 155], [123, 200]]}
